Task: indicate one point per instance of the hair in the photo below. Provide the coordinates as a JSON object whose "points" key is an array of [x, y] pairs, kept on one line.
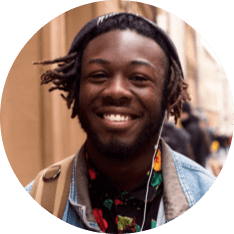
{"points": [[67, 74]]}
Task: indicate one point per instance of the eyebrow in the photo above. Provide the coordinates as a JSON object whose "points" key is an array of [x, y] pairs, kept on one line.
{"points": [[134, 62], [140, 62]]}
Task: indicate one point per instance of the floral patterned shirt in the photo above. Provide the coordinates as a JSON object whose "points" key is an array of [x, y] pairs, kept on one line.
{"points": [[122, 211]]}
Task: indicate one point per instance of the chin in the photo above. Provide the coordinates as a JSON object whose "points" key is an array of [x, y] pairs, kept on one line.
{"points": [[121, 148], [116, 148]]}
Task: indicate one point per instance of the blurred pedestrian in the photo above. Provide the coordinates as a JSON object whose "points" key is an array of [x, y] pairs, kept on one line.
{"points": [[219, 151], [178, 139], [190, 123]]}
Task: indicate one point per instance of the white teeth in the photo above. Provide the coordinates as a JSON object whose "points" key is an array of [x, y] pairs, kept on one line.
{"points": [[116, 118], [127, 118]]}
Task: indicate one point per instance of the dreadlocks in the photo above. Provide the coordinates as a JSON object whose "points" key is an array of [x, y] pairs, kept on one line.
{"points": [[66, 76]]}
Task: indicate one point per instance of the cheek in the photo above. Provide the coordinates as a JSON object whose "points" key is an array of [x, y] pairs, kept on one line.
{"points": [[88, 93], [84, 94], [151, 97]]}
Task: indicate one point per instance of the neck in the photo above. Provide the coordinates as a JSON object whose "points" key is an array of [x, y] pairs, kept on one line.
{"points": [[124, 173]]}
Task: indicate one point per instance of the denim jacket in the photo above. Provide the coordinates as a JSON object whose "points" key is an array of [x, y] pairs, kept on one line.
{"points": [[185, 182]]}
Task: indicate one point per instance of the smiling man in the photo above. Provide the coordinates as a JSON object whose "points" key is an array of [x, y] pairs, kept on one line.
{"points": [[123, 78]]}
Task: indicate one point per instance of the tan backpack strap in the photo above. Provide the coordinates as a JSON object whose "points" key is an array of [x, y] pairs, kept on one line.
{"points": [[51, 187]]}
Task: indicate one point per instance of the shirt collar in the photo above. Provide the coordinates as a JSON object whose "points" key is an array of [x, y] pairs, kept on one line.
{"points": [[103, 187]]}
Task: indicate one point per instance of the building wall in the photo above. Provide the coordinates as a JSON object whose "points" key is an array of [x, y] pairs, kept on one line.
{"points": [[208, 85], [214, 91]]}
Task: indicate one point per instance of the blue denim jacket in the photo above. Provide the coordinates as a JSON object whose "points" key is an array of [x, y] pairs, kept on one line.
{"points": [[185, 182]]}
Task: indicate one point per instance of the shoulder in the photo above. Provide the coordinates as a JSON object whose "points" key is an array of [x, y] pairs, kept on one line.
{"points": [[198, 179], [54, 172]]}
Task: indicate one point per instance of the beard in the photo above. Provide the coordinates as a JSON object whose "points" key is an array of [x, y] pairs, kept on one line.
{"points": [[116, 148]]}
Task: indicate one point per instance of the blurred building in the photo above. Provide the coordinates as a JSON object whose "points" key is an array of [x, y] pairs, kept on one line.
{"points": [[36, 126], [208, 84], [233, 117]]}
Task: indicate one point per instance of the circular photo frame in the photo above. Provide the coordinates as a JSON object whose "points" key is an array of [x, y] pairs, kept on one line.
{"points": [[37, 129]]}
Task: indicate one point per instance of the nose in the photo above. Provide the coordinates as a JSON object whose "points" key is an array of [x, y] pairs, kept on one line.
{"points": [[117, 91]]}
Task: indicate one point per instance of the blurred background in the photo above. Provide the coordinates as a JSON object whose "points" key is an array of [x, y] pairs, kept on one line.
{"points": [[37, 130]]}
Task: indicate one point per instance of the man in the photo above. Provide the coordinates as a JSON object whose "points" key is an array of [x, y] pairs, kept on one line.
{"points": [[199, 143], [178, 139], [123, 78]]}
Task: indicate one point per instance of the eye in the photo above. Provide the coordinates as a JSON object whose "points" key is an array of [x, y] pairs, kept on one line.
{"points": [[98, 77], [139, 79]]}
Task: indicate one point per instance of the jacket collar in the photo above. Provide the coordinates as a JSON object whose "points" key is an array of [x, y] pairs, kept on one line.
{"points": [[82, 182], [175, 201]]}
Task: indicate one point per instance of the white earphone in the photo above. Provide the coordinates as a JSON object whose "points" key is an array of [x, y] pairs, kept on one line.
{"points": [[151, 170]]}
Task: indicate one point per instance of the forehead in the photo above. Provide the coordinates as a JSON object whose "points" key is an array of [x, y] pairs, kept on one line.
{"points": [[127, 45]]}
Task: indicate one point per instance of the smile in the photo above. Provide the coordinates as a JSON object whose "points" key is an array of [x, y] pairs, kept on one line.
{"points": [[117, 117]]}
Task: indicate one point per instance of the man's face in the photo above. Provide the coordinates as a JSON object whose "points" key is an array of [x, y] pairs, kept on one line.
{"points": [[121, 89]]}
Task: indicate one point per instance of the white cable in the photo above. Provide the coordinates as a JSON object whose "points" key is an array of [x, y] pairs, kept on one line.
{"points": [[151, 171]]}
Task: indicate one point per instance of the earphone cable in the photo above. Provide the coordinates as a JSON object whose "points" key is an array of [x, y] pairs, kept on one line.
{"points": [[151, 171]]}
